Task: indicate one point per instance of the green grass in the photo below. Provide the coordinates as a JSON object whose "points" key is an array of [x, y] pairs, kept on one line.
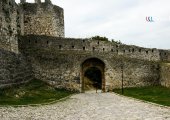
{"points": [[34, 92], [155, 94]]}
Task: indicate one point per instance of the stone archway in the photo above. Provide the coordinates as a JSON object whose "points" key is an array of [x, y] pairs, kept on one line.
{"points": [[92, 74]]}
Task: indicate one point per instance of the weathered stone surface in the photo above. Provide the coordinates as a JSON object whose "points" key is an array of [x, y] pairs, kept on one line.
{"points": [[43, 19], [165, 74], [9, 25], [13, 69]]}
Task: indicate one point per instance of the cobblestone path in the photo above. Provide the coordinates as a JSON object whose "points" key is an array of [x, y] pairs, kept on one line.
{"points": [[89, 106]]}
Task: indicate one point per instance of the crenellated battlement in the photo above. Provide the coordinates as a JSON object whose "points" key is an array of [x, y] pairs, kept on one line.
{"points": [[93, 46]]}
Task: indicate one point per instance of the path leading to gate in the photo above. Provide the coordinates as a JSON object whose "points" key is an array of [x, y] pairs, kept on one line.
{"points": [[89, 106]]}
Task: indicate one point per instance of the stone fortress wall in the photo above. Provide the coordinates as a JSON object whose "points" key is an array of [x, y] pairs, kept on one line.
{"points": [[9, 25], [32, 45], [59, 60], [165, 74], [13, 66], [14, 69]]}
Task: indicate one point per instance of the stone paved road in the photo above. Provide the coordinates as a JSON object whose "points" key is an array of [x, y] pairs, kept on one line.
{"points": [[89, 106]]}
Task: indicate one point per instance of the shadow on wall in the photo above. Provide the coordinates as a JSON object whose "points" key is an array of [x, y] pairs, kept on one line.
{"points": [[14, 69], [93, 79]]}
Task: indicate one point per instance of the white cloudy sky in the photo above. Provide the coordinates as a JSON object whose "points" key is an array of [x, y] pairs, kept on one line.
{"points": [[123, 20]]}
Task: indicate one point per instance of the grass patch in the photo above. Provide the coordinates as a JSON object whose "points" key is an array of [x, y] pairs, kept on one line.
{"points": [[155, 94], [34, 92]]}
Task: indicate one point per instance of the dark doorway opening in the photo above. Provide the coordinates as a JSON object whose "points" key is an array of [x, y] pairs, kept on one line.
{"points": [[93, 78], [92, 75]]}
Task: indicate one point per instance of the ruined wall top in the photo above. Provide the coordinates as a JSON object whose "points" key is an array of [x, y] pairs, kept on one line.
{"points": [[36, 1], [43, 18]]}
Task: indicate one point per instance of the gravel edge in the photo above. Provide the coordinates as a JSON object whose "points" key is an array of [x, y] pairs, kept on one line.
{"points": [[38, 105], [156, 104]]}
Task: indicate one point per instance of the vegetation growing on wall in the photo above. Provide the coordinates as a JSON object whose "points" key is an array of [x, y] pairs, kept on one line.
{"points": [[100, 38]]}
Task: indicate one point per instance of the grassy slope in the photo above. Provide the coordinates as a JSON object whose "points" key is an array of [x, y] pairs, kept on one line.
{"points": [[34, 92], [156, 94]]}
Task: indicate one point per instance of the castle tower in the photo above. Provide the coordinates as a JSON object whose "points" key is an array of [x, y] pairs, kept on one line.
{"points": [[46, 19]]}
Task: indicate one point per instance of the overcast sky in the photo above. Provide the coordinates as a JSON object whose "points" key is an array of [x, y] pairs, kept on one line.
{"points": [[123, 20]]}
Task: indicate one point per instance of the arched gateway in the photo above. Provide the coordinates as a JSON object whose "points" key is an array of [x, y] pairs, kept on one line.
{"points": [[92, 74]]}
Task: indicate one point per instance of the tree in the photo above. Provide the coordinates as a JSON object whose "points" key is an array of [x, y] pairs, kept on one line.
{"points": [[105, 39], [100, 38], [116, 42]]}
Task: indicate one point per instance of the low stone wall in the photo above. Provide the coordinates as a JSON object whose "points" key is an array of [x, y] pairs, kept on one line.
{"points": [[13, 69], [165, 74]]}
